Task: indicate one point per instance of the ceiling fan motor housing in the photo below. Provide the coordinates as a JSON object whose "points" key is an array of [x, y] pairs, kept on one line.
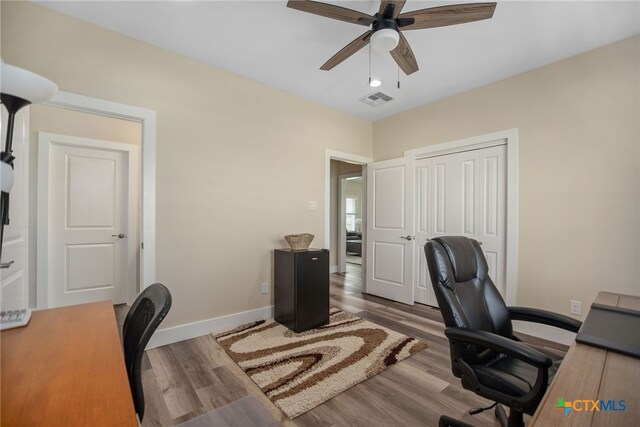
{"points": [[385, 36]]}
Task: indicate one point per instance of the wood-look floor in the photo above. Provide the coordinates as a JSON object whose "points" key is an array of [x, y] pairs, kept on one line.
{"points": [[190, 378]]}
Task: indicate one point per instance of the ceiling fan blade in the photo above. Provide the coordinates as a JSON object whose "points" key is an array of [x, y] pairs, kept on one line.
{"points": [[331, 11], [448, 15], [404, 57], [347, 51], [399, 4]]}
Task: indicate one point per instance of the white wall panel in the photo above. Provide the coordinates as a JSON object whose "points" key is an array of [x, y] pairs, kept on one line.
{"points": [[387, 183], [423, 193], [440, 198], [388, 259], [468, 197], [89, 266], [491, 196], [91, 192]]}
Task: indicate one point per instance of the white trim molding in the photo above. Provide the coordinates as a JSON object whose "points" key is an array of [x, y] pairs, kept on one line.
{"points": [[466, 144], [510, 139], [203, 327], [147, 120]]}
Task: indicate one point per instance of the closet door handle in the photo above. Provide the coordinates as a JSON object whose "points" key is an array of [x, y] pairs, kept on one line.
{"points": [[407, 237], [6, 264]]}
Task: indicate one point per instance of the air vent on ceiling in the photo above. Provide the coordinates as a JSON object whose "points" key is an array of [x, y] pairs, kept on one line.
{"points": [[376, 99]]}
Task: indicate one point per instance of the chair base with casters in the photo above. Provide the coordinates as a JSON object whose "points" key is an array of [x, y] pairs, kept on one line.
{"points": [[446, 421], [485, 355], [143, 318], [501, 415]]}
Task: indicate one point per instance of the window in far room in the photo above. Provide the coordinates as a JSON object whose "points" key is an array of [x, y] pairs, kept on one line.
{"points": [[350, 210]]}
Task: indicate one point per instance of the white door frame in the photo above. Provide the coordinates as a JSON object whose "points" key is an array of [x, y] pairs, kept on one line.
{"points": [[45, 142], [349, 158], [342, 225], [510, 139], [147, 120]]}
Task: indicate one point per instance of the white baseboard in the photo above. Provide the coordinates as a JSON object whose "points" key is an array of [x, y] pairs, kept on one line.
{"points": [[543, 331], [333, 269], [191, 330]]}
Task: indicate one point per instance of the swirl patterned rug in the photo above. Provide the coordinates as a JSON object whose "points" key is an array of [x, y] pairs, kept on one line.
{"points": [[300, 371]]}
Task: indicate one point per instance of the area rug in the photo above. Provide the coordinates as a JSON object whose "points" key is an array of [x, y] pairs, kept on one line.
{"points": [[300, 371]]}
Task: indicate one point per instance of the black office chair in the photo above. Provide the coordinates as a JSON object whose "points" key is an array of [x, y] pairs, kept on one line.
{"points": [[485, 354], [144, 317]]}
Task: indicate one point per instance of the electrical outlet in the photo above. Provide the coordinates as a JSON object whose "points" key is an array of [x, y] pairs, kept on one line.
{"points": [[264, 288], [576, 307]]}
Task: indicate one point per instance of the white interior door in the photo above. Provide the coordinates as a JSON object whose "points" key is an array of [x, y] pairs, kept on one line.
{"points": [[89, 219], [14, 279], [390, 248], [462, 194]]}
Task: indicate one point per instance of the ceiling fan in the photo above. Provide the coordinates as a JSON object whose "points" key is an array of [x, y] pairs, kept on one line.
{"points": [[384, 34]]}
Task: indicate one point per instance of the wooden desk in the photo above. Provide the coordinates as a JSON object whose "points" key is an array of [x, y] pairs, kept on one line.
{"points": [[593, 373], [66, 368]]}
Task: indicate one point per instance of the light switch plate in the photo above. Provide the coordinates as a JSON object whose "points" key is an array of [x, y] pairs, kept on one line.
{"points": [[313, 205], [264, 288]]}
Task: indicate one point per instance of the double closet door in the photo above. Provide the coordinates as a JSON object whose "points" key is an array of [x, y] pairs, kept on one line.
{"points": [[462, 194]]}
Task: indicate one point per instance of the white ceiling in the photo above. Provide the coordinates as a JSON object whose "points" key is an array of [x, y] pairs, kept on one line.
{"points": [[284, 48]]}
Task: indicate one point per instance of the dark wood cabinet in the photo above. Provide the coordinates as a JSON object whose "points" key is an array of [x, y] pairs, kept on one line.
{"points": [[301, 288]]}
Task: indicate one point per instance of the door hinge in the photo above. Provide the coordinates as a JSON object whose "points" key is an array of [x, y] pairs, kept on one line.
{"points": [[142, 245]]}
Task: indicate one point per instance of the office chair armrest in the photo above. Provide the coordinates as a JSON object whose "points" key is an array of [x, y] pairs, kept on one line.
{"points": [[500, 344], [536, 315]]}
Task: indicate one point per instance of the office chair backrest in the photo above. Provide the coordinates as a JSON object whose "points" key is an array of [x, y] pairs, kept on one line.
{"points": [[465, 292], [144, 317]]}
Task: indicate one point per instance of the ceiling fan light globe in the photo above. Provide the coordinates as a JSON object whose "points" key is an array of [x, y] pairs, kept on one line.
{"points": [[385, 40]]}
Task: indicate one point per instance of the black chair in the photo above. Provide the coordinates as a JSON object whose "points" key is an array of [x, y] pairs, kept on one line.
{"points": [[485, 355], [144, 317]]}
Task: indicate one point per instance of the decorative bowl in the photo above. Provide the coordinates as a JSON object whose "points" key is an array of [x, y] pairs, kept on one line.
{"points": [[299, 242]]}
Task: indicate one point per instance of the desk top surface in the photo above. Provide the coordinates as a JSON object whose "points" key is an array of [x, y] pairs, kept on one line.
{"points": [[591, 373], [66, 367]]}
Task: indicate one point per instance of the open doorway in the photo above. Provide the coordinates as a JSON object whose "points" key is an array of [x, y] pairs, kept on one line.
{"points": [[337, 163], [350, 200], [346, 208]]}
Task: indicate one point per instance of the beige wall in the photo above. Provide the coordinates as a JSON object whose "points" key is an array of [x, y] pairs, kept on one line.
{"points": [[45, 118], [237, 161], [579, 189]]}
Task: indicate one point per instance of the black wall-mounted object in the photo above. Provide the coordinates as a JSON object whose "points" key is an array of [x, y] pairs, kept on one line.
{"points": [[13, 104], [301, 288], [18, 88]]}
